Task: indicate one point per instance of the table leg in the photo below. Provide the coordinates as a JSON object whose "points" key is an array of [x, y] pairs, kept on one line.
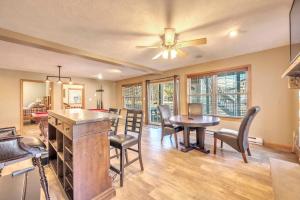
{"points": [[200, 136], [186, 140]]}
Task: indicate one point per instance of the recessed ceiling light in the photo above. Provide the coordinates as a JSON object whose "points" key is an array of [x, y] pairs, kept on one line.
{"points": [[115, 70], [99, 76], [233, 33]]}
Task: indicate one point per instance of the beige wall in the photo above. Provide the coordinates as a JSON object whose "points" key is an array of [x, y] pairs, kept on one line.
{"points": [[276, 121], [10, 94], [33, 91]]}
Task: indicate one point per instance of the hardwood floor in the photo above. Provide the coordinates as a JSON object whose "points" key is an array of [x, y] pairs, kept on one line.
{"points": [[171, 174]]}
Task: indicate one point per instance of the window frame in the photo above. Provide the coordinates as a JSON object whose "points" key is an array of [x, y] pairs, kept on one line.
{"points": [[246, 68], [132, 85]]}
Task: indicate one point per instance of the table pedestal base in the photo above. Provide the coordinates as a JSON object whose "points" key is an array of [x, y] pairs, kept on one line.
{"points": [[200, 138], [193, 146]]}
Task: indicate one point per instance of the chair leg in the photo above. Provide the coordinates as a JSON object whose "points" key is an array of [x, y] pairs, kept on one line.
{"points": [[126, 155], [122, 152], [221, 144], [140, 158], [215, 145], [162, 136], [176, 140], [248, 151], [244, 157], [43, 178], [117, 153]]}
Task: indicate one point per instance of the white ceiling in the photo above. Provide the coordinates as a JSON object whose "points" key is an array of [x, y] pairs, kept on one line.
{"points": [[19, 57], [113, 29]]}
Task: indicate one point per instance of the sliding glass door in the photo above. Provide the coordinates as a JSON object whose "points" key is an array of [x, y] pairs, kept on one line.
{"points": [[160, 93]]}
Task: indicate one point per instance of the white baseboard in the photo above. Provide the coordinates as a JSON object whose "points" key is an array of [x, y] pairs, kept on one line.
{"points": [[256, 140]]}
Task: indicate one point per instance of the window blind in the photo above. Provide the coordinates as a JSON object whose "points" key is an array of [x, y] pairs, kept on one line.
{"points": [[224, 93], [132, 96]]}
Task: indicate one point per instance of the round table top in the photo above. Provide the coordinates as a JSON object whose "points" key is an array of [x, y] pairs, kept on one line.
{"points": [[195, 121]]}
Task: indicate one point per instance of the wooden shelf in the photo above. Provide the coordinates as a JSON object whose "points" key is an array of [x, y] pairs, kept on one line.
{"points": [[69, 193], [53, 165], [53, 143], [61, 155], [69, 165], [69, 180], [69, 150]]}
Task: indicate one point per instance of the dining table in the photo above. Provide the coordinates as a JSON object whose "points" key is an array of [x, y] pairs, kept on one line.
{"points": [[198, 123]]}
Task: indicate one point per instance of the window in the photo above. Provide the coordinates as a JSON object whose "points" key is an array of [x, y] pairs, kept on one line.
{"points": [[132, 96], [222, 93]]}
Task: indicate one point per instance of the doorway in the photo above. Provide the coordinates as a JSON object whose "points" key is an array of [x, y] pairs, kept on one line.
{"points": [[73, 96], [162, 93], [36, 100]]}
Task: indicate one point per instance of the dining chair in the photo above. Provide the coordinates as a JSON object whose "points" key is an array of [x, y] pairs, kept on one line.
{"points": [[126, 141], [167, 128], [114, 122], [238, 139], [195, 109]]}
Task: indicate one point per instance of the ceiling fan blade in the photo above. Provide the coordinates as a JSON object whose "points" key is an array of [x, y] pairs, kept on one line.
{"points": [[189, 43], [149, 47], [181, 53], [157, 55]]}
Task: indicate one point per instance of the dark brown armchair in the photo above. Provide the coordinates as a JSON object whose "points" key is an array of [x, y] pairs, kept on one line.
{"points": [[15, 148], [167, 128], [238, 139]]}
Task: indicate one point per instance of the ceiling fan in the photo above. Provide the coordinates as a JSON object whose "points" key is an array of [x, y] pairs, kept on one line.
{"points": [[171, 47]]}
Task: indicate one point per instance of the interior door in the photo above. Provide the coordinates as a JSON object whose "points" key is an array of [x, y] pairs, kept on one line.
{"points": [[159, 93]]}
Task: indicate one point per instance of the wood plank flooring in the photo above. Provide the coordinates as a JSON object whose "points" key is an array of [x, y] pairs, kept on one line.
{"points": [[173, 175]]}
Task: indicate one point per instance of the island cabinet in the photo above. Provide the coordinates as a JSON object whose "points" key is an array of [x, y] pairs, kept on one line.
{"points": [[79, 153]]}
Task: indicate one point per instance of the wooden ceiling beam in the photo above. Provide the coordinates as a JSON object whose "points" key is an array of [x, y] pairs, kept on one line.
{"points": [[19, 38]]}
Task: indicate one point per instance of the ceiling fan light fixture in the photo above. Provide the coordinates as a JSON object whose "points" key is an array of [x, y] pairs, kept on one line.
{"points": [[165, 54], [157, 55], [170, 46], [173, 53], [169, 36]]}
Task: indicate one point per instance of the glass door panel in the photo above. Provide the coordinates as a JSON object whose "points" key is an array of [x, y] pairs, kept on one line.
{"points": [[159, 93]]}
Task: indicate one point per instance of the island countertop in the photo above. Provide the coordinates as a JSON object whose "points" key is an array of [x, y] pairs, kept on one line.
{"points": [[81, 116]]}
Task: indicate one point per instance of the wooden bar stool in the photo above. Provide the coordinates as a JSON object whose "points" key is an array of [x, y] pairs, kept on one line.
{"points": [[124, 142]]}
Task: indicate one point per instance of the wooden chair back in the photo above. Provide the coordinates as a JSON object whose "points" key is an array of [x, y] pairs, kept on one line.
{"points": [[165, 114], [245, 126], [134, 122], [195, 109]]}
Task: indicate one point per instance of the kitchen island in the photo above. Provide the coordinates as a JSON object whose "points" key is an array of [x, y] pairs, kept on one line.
{"points": [[79, 152]]}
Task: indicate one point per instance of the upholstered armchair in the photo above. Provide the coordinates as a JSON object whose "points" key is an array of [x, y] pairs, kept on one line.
{"points": [[14, 149], [167, 128], [238, 139]]}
